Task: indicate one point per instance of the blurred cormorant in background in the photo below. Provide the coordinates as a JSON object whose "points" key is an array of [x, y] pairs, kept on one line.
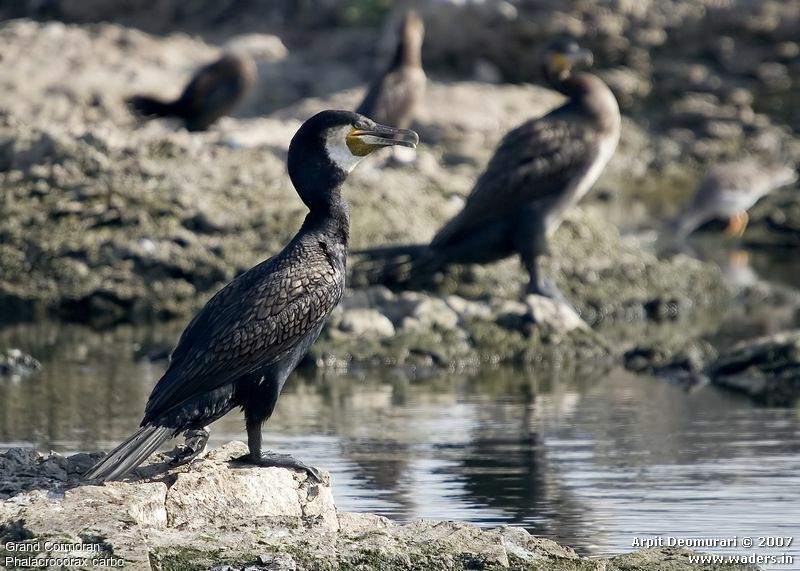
{"points": [[213, 92], [392, 99], [240, 348], [538, 171], [729, 191]]}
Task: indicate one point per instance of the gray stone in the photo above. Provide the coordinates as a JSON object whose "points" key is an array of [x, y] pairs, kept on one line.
{"points": [[365, 322], [431, 313], [367, 298], [766, 369], [553, 314], [466, 309]]}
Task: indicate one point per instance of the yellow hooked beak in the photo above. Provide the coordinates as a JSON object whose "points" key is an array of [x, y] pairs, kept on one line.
{"points": [[362, 142]]}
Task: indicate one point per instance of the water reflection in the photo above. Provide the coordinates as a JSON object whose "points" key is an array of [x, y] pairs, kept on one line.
{"points": [[588, 459]]}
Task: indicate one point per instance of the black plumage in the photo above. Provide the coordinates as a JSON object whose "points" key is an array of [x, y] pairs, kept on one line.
{"points": [[538, 171], [214, 91], [241, 347], [393, 97]]}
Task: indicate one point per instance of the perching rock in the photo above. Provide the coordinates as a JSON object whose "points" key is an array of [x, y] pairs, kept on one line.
{"points": [[767, 368], [206, 496], [214, 514], [553, 314]]}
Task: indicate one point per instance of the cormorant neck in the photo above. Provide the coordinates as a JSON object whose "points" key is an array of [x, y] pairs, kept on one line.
{"points": [[332, 218], [409, 52], [328, 211], [589, 95], [318, 180], [565, 82]]}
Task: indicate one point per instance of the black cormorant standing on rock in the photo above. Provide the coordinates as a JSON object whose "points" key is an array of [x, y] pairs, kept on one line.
{"points": [[392, 99], [241, 347], [729, 191], [213, 92], [538, 171]]}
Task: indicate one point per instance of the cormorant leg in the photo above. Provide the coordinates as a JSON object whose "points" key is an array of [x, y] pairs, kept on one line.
{"points": [[739, 259], [194, 444], [259, 458], [737, 225], [538, 284]]}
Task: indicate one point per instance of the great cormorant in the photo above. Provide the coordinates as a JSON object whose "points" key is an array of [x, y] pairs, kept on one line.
{"points": [[729, 191], [392, 99], [538, 171], [240, 348], [213, 92]]}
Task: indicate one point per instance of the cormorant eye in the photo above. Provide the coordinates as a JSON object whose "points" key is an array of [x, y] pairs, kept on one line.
{"points": [[361, 125]]}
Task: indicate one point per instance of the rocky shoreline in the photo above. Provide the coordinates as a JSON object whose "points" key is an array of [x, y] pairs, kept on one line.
{"points": [[217, 514], [145, 222], [108, 221], [183, 213]]}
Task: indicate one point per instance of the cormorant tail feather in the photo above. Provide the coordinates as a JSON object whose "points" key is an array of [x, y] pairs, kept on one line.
{"points": [[397, 265], [152, 107], [130, 453]]}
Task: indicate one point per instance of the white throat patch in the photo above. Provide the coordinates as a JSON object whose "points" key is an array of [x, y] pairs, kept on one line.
{"points": [[338, 152]]}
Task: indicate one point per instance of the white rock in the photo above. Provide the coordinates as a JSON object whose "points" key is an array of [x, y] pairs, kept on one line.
{"points": [[554, 314], [259, 46], [432, 312], [468, 309], [208, 495], [363, 322]]}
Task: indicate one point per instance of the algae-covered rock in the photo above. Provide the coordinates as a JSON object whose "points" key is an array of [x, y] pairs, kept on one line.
{"points": [[766, 369], [438, 330], [606, 276], [670, 559], [106, 220], [681, 359], [775, 221]]}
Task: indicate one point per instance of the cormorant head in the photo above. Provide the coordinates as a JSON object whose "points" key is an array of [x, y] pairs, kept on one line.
{"points": [[409, 43], [330, 144], [413, 30], [560, 56]]}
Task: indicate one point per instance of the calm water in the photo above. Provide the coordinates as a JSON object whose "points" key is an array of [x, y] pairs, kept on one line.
{"points": [[590, 462]]}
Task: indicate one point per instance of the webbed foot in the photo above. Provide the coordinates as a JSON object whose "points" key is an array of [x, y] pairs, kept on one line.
{"points": [[737, 225], [268, 459], [547, 288], [193, 445]]}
